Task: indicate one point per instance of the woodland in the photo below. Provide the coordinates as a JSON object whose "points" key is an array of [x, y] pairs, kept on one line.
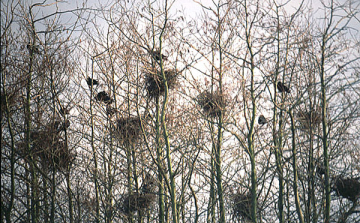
{"points": [[145, 111]]}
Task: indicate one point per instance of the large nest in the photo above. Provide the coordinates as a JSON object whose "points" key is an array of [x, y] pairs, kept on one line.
{"points": [[155, 85], [309, 119], [50, 151], [49, 148], [128, 129], [136, 202], [140, 201], [348, 188], [242, 205], [212, 103]]}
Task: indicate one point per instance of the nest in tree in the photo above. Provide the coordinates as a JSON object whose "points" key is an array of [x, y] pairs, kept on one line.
{"points": [[155, 85], [242, 205], [50, 149], [136, 202], [309, 119], [348, 188], [57, 156], [128, 129], [212, 103]]}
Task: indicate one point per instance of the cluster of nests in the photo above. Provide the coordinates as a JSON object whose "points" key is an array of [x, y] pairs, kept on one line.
{"points": [[241, 205], [48, 147], [139, 201]]}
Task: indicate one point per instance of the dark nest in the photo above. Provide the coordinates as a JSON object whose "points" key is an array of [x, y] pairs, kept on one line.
{"points": [[136, 202], [155, 85], [309, 119], [242, 205], [128, 129], [49, 149], [212, 103], [52, 151], [348, 188]]}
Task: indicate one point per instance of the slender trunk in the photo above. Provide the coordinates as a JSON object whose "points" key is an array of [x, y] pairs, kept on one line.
{"points": [[129, 178], [32, 163], [325, 132], [94, 153], [168, 151], [53, 194], [311, 194], [159, 154], [68, 182], [296, 192], [278, 139], [218, 158], [212, 198], [219, 171], [45, 202], [12, 161]]}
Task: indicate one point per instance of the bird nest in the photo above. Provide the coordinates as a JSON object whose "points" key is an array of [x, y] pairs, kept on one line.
{"points": [[155, 85], [49, 149], [136, 202], [241, 204], [309, 119], [212, 103], [348, 188], [128, 129]]}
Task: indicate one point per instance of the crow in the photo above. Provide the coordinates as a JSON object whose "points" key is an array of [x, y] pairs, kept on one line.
{"points": [[262, 120], [281, 87], [64, 111], [156, 54], [104, 97], [93, 81], [34, 49]]}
